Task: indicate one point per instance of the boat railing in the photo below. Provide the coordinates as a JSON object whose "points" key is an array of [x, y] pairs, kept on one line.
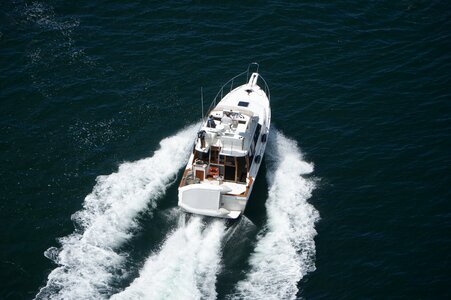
{"points": [[249, 72], [232, 83]]}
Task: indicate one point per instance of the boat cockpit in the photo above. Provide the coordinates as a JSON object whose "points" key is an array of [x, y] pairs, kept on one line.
{"points": [[212, 165]]}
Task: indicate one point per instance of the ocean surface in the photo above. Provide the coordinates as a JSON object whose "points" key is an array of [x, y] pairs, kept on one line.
{"points": [[100, 102]]}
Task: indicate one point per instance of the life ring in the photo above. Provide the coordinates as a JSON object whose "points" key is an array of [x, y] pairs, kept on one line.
{"points": [[214, 171]]}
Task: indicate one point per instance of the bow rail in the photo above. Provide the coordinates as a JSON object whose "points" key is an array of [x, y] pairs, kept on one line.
{"points": [[235, 82]]}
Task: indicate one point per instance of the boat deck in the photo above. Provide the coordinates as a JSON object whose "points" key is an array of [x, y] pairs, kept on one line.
{"points": [[235, 188], [232, 188]]}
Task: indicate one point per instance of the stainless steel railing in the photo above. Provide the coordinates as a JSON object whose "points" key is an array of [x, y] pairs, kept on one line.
{"points": [[230, 85]]}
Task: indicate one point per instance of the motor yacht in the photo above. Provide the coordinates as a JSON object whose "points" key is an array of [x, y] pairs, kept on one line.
{"points": [[229, 148]]}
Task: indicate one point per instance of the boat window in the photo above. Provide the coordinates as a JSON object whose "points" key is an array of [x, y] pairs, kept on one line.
{"points": [[229, 168], [199, 155], [214, 155], [257, 133], [229, 173], [241, 169], [243, 103], [230, 161]]}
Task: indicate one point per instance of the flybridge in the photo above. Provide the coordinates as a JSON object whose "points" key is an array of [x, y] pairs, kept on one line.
{"points": [[230, 130], [219, 176]]}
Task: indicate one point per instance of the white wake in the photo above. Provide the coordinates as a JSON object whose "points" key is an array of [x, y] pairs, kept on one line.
{"points": [[185, 267], [285, 248], [89, 258]]}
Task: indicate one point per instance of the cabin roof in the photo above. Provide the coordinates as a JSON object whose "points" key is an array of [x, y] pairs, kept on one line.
{"points": [[252, 96], [235, 119]]}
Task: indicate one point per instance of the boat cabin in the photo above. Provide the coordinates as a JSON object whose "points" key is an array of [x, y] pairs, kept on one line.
{"points": [[225, 146]]}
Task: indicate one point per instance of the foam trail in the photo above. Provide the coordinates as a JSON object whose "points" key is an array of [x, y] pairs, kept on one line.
{"points": [[89, 258], [185, 267], [285, 249]]}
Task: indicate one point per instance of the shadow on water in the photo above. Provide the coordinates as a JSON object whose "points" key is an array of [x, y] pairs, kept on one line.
{"points": [[255, 209]]}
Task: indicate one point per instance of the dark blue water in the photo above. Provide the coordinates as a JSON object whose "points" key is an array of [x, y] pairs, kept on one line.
{"points": [[352, 201]]}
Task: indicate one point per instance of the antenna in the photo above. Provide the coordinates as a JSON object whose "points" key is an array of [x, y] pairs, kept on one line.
{"points": [[202, 101]]}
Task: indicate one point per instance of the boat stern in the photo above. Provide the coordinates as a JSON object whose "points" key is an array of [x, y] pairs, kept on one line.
{"points": [[204, 200]]}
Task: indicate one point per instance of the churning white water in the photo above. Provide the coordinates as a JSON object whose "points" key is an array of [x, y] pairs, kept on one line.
{"points": [[185, 267], [285, 249], [89, 258], [187, 264]]}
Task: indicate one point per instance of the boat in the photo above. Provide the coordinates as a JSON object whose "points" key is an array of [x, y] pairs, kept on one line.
{"points": [[229, 148]]}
